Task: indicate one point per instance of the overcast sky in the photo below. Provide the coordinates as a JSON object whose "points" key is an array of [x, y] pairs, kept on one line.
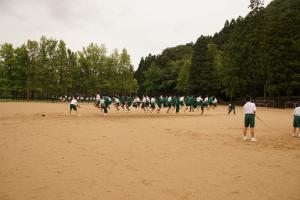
{"points": [[140, 26]]}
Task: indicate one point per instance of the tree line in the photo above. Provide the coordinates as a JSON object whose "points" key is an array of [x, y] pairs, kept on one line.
{"points": [[41, 69], [256, 55]]}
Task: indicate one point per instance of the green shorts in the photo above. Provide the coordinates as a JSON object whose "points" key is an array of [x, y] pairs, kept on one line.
{"points": [[296, 122], [249, 120], [72, 106]]}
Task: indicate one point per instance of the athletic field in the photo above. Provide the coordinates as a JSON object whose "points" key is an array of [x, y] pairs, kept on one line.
{"points": [[143, 156]]}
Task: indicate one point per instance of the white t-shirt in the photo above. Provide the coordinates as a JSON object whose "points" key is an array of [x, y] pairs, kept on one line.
{"points": [[206, 99], [181, 99], [102, 101], [169, 99], [152, 100], [297, 111], [215, 100], [117, 100], [199, 99], [74, 102], [144, 99], [249, 108], [98, 97]]}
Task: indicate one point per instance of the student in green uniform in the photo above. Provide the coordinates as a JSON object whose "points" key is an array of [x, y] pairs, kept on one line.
{"points": [[194, 103], [186, 102], [128, 102], [231, 107], [73, 106], [165, 101], [181, 100], [159, 103], [191, 103], [250, 111], [215, 102], [210, 102], [170, 103], [116, 102], [122, 100], [104, 104], [296, 121], [152, 104], [136, 102], [177, 104]]}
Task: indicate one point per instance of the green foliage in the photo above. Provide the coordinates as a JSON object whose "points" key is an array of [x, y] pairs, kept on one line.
{"points": [[45, 68], [256, 55], [172, 68]]}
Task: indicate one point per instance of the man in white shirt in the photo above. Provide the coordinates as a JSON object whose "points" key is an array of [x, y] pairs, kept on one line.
{"points": [[152, 104], [116, 103], [73, 106], [249, 110], [296, 122], [97, 103]]}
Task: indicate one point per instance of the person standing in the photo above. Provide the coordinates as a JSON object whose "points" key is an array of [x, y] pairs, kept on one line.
{"points": [[249, 110], [231, 107], [296, 122], [73, 106]]}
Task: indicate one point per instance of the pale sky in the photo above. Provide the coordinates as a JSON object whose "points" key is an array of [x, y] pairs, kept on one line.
{"points": [[140, 26]]}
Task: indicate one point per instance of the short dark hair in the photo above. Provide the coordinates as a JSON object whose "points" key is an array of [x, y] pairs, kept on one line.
{"points": [[248, 98]]}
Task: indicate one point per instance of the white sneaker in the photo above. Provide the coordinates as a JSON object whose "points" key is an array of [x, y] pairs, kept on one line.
{"points": [[245, 138], [253, 139]]}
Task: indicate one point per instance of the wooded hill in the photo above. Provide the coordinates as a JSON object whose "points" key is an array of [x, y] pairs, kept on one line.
{"points": [[258, 55]]}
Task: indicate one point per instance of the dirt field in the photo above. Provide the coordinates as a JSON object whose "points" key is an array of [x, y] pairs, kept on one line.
{"points": [[144, 156]]}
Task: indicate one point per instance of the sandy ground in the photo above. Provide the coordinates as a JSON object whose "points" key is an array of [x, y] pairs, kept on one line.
{"points": [[142, 156]]}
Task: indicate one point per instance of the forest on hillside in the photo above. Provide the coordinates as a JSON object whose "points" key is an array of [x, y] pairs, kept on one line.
{"points": [[257, 55]]}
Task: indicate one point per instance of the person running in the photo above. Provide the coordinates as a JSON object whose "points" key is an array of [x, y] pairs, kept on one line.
{"points": [[170, 103], [122, 100], [198, 100], [177, 104], [136, 102], [152, 104], [186, 102], [231, 107], [159, 103], [191, 102], [52, 98], [209, 102], [296, 122], [104, 104], [144, 105], [116, 103], [128, 103], [214, 102], [73, 106], [97, 103], [249, 110], [165, 101], [181, 100]]}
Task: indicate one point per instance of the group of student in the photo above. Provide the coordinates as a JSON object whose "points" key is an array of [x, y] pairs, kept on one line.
{"points": [[151, 104], [69, 98], [175, 103]]}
